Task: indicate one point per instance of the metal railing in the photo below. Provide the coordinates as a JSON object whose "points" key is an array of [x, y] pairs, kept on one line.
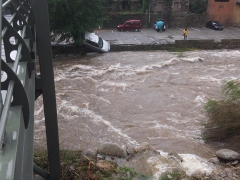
{"points": [[24, 28]]}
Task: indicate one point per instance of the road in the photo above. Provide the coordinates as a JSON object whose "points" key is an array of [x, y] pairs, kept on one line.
{"points": [[150, 36]]}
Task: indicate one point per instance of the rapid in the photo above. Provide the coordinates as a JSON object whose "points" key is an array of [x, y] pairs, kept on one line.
{"points": [[133, 97]]}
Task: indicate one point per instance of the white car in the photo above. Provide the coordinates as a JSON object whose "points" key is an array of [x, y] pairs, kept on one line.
{"points": [[95, 43]]}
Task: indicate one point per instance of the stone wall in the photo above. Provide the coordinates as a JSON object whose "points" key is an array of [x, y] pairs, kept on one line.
{"points": [[191, 44], [175, 20], [179, 44]]}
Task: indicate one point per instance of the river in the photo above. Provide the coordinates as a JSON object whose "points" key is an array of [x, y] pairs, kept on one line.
{"points": [[134, 97]]}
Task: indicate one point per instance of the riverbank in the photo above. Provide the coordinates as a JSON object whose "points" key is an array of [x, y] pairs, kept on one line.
{"points": [[179, 45], [129, 98], [111, 162]]}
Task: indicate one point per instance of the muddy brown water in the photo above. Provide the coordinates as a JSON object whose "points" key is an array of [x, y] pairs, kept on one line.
{"points": [[134, 97]]}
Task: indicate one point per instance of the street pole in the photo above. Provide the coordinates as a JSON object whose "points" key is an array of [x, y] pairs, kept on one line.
{"points": [[149, 18]]}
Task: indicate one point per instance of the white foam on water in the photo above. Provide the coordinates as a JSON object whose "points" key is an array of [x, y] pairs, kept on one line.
{"points": [[192, 59], [38, 121], [99, 119], [37, 112], [143, 70], [113, 86], [191, 164], [200, 100], [100, 98], [176, 121], [226, 53], [172, 61], [210, 79], [79, 66], [158, 167], [89, 71], [189, 134], [63, 104]]}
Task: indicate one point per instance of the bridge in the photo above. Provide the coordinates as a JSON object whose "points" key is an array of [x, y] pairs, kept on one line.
{"points": [[26, 43]]}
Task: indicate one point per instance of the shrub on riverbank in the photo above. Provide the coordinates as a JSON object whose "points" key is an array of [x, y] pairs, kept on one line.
{"points": [[223, 116]]}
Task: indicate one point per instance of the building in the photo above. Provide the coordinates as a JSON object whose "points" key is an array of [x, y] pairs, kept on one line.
{"points": [[156, 6], [226, 12], [176, 5]]}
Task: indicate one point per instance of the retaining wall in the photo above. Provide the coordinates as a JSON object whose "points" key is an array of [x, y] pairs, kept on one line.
{"points": [[181, 44], [194, 44]]}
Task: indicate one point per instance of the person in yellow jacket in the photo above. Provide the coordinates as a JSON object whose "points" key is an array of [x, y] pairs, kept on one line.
{"points": [[185, 33]]}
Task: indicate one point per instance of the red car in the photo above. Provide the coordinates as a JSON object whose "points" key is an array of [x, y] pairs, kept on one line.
{"points": [[135, 25]]}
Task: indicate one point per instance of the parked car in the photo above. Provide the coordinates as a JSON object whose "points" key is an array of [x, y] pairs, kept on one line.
{"points": [[164, 27], [214, 25], [95, 43], [130, 25]]}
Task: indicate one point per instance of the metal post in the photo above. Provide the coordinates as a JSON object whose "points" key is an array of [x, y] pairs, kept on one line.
{"points": [[149, 13], [1, 9], [48, 88]]}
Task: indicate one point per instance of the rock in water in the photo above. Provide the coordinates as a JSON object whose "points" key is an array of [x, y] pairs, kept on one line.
{"points": [[227, 154], [111, 149]]}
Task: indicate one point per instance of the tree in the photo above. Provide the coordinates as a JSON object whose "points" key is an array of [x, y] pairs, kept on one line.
{"points": [[145, 4], [198, 6], [71, 18]]}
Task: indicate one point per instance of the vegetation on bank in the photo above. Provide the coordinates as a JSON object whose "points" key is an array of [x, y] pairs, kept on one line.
{"points": [[72, 168], [176, 49], [223, 115], [71, 19]]}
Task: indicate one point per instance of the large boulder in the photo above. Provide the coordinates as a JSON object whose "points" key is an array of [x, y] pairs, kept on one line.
{"points": [[227, 155], [88, 154], [111, 149]]}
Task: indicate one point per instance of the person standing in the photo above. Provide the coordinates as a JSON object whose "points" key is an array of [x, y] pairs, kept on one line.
{"points": [[185, 33]]}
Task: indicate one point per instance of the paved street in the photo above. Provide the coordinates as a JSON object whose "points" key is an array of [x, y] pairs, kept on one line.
{"points": [[150, 36]]}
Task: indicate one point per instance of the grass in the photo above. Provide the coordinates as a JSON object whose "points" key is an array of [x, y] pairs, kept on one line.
{"points": [[74, 169], [180, 55], [223, 116], [177, 175], [176, 49]]}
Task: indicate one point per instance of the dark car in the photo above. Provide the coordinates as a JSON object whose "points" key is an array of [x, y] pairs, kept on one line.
{"points": [[214, 25], [164, 27], [130, 25]]}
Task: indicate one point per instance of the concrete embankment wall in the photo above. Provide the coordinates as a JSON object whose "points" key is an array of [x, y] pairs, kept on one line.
{"points": [[181, 44], [198, 44]]}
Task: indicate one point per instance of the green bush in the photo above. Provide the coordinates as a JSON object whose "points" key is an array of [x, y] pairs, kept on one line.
{"points": [[71, 19], [198, 6], [145, 5], [223, 116]]}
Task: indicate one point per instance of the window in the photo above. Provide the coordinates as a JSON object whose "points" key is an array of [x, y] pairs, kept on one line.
{"points": [[176, 6], [92, 43], [159, 7], [221, 0], [100, 43]]}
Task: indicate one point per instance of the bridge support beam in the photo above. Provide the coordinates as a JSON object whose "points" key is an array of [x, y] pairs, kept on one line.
{"points": [[48, 87]]}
